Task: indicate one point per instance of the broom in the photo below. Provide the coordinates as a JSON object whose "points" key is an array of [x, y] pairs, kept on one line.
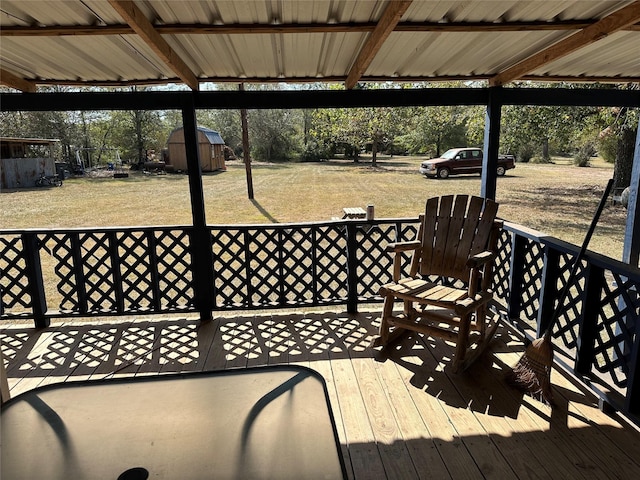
{"points": [[532, 373]]}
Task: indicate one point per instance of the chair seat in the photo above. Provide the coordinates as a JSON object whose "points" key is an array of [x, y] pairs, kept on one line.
{"points": [[429, 293]]}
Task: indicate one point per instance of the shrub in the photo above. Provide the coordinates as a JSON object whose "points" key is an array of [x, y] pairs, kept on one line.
{"points": [[583, 155], [607, 145], [525, 152], [314, 152]]}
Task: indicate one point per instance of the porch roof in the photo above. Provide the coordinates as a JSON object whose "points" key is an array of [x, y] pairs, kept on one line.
{"points": [[91, 42]]}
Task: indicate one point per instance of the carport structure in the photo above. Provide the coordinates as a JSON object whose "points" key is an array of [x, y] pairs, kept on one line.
{"points": [[490, 43]]}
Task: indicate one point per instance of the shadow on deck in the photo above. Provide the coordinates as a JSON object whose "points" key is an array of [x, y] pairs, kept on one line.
{"points": [[400, 414]]}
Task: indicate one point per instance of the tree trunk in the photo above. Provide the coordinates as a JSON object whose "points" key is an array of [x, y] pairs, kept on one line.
{"points": [[137, 125], [86, 140], [374, 152], [545, 150], [624, 158]]}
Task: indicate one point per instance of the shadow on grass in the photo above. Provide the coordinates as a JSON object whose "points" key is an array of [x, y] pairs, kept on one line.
{"points": [[266, 214]]}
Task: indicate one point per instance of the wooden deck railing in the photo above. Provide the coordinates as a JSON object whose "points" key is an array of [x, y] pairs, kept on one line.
{"points": [[146, 270]]}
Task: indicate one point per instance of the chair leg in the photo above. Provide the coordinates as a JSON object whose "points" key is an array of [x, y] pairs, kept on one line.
{"points": [[387, 311], [462, 343], [481, 321]]}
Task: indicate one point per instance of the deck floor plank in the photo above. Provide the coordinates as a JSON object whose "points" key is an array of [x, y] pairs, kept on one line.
{"points": [[490, 460], [554, 422], [216, 356], [110, 358], [452, 450], [506, 417], [421, 447], [30, 372], [321, 341], [393, 450], [399, 413], [364, 455]]}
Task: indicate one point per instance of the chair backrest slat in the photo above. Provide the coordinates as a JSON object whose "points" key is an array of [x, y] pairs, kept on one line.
{"points": [[443, 221], [455, 228], [456, 239], [429, 230]]}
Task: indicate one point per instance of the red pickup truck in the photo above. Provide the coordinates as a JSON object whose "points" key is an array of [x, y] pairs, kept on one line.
{"points": [[462, 160]]}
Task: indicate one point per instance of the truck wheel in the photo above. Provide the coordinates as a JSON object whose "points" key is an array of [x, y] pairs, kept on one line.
{"points": [[443, 172], [501, 170]]}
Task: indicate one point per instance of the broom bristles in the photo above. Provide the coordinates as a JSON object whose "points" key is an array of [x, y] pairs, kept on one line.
{"points": [[532, 373]]}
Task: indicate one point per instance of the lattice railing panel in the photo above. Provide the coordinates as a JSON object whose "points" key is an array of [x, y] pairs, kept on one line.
{"points": [[56, 248], [531, 281], [137, 266], [98, 272], [375, 265], [406, 232], [567, 321], [15, 296], [175, 274], [501, 268], [330, 265], [265, 267], [123, 271], [297, 266], [230, 268], [618, 326]]}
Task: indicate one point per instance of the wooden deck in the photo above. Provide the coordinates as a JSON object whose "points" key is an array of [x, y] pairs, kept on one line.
{"points": [[402, 415]]}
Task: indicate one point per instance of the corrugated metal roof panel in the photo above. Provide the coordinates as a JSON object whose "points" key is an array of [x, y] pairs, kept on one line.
{"points": [[281, 56], [85, 58], [598, 59], [213, 136]]}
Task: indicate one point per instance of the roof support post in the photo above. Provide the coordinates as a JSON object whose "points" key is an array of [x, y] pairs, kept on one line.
{"points": [[201, 248], [491, 143], [631, 249]]}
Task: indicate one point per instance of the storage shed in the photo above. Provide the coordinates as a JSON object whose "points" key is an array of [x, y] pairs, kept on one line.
{"points": [[23, 160], [210, 145]]}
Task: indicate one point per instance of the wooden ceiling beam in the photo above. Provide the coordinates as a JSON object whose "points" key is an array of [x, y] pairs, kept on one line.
{"points": [[12, 80], [340, 79], [612, 23], [243, 29], [131, 14], [387, 23]]}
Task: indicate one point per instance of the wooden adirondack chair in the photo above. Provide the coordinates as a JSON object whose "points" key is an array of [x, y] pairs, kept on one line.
{"points": [[449, 279]]}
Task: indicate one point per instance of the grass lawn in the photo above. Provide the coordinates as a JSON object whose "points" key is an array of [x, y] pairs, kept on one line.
{"points": [[558, 199]]}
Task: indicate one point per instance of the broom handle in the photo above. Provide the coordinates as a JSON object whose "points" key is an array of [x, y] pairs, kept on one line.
{"points": [[576, 263]]}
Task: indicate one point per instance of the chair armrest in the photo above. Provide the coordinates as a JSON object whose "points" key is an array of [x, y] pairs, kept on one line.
{"points": [[480, 259], [403, 246], [399, 247]]}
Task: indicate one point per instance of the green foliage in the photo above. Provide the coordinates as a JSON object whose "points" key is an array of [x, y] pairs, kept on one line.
{"points": [[607, 146], [524, 152], [530, 133], [315, 152], [441, 128], [275, 135]]}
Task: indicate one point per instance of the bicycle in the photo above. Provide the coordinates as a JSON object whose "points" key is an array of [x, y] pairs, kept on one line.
{"points": [[48, 181]]}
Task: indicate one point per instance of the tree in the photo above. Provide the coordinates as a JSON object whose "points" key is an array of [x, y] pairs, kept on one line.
{"points": [[625, 145], [275, 134], [441, 128]]}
